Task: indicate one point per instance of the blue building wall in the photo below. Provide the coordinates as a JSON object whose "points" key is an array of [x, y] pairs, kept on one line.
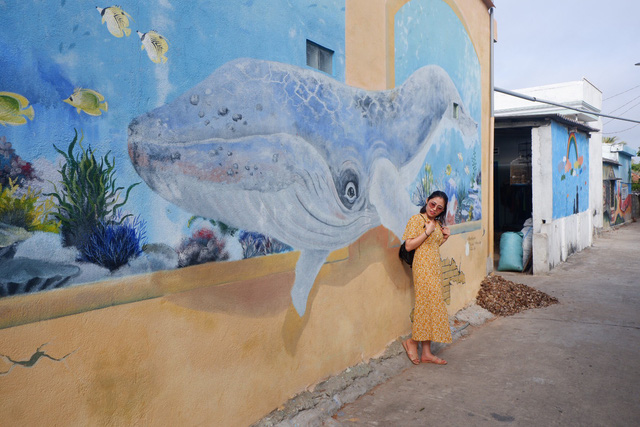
{"points": [[571, 172]]}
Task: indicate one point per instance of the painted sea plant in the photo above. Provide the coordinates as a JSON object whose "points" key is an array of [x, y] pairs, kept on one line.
{"points": [[256, 244], [112, 244], [201, 247], [87, 194], [253, 244], [224, 228], [26, 209], [425, 185], [12, 166]]}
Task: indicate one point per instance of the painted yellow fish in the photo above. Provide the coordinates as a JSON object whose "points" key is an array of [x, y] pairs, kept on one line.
{"points": [[14, 110], [117, 20], [156, 46], [87, 100]]}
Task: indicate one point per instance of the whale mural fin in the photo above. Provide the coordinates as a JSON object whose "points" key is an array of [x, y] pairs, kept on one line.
{"points": [[389, 196], [307, 269]]}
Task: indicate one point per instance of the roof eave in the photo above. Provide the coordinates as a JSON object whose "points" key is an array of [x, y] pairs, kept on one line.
{"points": [[545, 117]]}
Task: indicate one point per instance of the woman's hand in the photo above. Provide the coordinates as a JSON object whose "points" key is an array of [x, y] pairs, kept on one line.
{"points": [[429, 227], [445, 234]]}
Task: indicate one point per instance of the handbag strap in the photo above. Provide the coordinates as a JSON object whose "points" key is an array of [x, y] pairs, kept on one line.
{"points": [[426, 219]]}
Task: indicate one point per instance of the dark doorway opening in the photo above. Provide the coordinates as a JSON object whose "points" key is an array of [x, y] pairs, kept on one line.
{"points": [[512, 185]]}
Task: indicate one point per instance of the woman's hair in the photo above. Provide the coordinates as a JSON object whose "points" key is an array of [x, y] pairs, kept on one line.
{"points": [[442, 217]]}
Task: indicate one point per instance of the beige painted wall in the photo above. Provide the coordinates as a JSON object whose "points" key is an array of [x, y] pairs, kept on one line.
{"points": [[214, 345]]}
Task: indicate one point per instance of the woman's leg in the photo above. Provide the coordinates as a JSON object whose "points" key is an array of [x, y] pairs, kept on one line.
{"points": [[428, 357], [411, 348]]}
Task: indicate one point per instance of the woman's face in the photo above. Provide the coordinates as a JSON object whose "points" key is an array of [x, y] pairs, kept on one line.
{"points": [[435, 207]]}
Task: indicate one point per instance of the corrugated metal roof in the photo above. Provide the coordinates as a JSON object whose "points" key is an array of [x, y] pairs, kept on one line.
{"points": [[611, 161], [546, 117]]}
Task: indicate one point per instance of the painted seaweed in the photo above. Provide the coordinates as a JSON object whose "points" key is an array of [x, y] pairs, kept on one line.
{"points": [[87, 194]]}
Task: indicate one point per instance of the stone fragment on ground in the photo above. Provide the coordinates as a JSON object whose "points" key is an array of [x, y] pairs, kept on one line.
{"points": [[474, 314]]}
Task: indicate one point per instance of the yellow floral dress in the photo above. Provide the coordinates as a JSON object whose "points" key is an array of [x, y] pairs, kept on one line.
{"points": [[430, 318]]}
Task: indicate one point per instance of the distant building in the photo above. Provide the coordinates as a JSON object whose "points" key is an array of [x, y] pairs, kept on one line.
{"points": [[548, 167], [616, 183]]}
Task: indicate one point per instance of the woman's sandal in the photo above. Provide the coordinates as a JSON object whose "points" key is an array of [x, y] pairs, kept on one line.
{"points": [[436, 360], [413, 357]]}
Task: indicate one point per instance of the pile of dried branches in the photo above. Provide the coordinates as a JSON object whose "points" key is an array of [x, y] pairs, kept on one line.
{"points": [[503, 297]]}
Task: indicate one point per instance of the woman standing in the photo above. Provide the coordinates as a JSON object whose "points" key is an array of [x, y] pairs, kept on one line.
{"points": [[425, 233]]}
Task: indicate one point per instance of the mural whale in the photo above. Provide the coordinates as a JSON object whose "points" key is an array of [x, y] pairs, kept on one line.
{"points": [[294, 154]]}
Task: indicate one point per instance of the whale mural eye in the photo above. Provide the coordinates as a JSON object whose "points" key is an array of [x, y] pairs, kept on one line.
{"points": [[351, 192], [348, 187]]}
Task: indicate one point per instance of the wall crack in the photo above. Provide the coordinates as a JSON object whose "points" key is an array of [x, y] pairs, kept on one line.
{"points": [[35, 357]]}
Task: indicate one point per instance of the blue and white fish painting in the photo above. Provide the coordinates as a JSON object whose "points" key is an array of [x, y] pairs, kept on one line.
{"points": [[294, 154]]}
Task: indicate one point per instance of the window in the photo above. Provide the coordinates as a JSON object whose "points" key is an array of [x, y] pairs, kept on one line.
{"points": [[319, 57], [610, 196], [456, 111]]}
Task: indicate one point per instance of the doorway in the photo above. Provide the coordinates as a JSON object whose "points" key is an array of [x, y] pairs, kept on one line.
{"points": [[512, 184]]}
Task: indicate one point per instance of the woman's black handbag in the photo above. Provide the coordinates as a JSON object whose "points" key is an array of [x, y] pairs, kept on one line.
{"points": [[405, 255]]}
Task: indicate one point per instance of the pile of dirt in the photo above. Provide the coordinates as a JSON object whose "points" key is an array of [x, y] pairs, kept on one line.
{"points": [[503, 297]]}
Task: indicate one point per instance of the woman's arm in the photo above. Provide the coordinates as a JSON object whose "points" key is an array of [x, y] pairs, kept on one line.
{"points": [[412, 244]]}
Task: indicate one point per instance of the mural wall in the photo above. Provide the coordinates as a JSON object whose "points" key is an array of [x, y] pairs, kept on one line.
{"points": [[617, 203], [570, 172], [259, 157]]}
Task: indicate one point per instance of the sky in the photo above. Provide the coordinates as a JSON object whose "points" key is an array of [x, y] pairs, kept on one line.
{"points": [[543, 42]]}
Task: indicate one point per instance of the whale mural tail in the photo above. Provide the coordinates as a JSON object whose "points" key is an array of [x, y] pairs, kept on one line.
{"points": [[307, 269]]}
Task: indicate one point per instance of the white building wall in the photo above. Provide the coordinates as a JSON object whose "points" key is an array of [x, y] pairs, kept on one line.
{"points": [[541, 187], [558, 240]]}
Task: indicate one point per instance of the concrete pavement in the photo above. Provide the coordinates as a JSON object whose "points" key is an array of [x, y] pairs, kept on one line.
{"points": [[573, 363]]}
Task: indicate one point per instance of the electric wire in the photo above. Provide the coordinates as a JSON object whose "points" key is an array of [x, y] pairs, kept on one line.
{"points": [[623, 105], [613, 96], [620, 131], [627, 110]]}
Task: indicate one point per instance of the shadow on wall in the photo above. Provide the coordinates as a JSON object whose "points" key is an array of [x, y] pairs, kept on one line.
{"points": [[269, 296]]}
